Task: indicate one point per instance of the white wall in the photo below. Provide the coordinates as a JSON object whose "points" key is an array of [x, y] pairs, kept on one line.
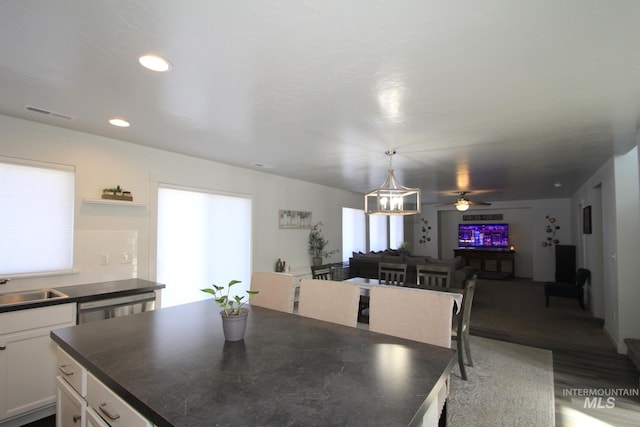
{"points": [[103, 162], [527, 224], [616, 292]]}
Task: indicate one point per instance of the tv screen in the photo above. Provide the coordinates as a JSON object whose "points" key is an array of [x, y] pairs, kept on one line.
{"points": [[487, 236]]}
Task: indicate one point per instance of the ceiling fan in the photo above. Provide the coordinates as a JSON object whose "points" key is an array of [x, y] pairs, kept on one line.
{"points": [[462, 203]]}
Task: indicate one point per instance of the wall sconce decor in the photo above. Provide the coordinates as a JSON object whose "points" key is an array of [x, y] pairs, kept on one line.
{"points": [[551, 231]]}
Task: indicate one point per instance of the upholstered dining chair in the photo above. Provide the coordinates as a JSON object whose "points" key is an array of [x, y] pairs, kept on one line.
{"points": [[461, 328], [410, 313], [276, 291], [433, 275], [321, 272], [328, 300], [390, 273], [573, 290]]}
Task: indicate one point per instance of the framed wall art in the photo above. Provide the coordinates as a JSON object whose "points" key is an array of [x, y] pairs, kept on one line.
{"points": [[294, 219]]}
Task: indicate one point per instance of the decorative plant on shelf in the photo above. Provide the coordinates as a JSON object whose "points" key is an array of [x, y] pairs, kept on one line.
{"points": [[234, 318], [317, 243], [551, 231]]}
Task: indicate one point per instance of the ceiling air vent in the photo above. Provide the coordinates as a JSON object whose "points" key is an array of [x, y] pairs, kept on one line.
{"points": [[48, 113]]}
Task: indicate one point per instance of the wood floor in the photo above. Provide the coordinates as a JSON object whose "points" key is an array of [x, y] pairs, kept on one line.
{"points": [[579, 370]]}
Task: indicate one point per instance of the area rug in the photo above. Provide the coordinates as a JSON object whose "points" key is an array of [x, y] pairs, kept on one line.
{"points": [[508, 385]]}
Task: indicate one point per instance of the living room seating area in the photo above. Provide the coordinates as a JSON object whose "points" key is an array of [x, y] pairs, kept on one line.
{"points": [[366, 265]]}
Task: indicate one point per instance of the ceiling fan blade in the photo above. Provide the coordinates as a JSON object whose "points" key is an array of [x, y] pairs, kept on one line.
{"points": [[472, 202]]}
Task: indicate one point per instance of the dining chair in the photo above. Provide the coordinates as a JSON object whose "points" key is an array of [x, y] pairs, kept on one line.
{"points": [[433, 275], [390, 273], [461, 330], [276, 291], [414, 314], [328, 300], [321, 272]]}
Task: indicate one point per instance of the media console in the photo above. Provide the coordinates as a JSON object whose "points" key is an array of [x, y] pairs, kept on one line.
{"points": [[490, 264]]}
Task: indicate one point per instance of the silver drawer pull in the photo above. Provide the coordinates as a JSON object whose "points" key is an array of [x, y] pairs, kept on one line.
{"points": [[64, 371], [108, 412]]}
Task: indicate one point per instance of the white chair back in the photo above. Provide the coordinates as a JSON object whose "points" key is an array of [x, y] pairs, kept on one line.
{"points": [[277, 291], [328, 300], [414, 314]]}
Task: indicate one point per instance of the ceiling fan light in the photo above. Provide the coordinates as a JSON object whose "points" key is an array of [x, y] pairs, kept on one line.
{"points": [[462, 205]]}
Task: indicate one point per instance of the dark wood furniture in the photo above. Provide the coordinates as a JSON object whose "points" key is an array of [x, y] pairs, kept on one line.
{"points": [[462, 327], [565, 263], [498, 264], [174, 367]]}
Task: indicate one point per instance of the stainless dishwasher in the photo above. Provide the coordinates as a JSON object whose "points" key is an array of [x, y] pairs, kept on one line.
{"points": [[108, 308]]}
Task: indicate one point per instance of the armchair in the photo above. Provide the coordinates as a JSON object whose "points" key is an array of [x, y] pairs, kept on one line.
{"points": [[573, 290]]}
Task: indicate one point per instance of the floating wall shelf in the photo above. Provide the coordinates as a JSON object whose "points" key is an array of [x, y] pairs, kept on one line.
{"points": [[112, 202]]}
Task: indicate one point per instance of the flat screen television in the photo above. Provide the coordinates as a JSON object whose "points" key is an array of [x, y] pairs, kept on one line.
{"points": [[483, 236]]}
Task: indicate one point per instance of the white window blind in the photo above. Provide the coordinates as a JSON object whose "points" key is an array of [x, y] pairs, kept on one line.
{"points": [[36, 218], [203, 238], [354, 232], [396, 231], [378, 240]]}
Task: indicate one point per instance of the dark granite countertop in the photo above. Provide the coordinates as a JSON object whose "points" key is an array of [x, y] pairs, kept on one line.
{"points": [[91, 292], [174, 366]]}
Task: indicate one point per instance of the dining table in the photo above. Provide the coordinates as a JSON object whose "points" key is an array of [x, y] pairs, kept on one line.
{"points": [[175, 368], [366, 284]]}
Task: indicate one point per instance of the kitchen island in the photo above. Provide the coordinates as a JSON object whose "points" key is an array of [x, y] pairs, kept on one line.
{"points": [[174, 367]]}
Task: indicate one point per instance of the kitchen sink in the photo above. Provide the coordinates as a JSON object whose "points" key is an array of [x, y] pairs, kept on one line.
{"points": [[25, 297]]}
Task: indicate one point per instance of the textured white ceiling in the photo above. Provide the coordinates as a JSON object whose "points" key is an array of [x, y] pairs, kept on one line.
{"points": [[501, 98]]}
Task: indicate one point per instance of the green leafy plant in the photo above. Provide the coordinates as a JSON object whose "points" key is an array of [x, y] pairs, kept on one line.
{"points": [[230, 307], [317, 242]]}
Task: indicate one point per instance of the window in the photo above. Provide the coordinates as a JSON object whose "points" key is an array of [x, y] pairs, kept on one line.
{"points": [[354, 238], [36, 218], [382, 229], [396, 231], [378, 239], [203, 238]]}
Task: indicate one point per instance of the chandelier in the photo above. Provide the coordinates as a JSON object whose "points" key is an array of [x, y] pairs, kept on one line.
{"points": [[391, 198]]}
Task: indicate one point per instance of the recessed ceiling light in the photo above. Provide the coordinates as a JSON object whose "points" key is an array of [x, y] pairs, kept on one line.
{"points": [[557, 184], [119, 122], [154, 63], [261, 165]]}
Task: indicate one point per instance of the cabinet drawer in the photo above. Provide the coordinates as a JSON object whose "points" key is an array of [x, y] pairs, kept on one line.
{"points": [[94, 420], [72, 372], [111, 407], [36, 318]]}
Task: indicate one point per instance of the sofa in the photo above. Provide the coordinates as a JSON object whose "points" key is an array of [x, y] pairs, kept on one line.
{"points": [[366, 265]]}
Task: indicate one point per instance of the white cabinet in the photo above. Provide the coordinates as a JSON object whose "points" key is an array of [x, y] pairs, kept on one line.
{"points": [[70, 406], [114, 410], [85, 400], [28, 358]]}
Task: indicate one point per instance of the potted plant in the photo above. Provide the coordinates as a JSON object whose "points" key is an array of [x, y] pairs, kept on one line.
{"points": [[234, 317], [317, 243]]}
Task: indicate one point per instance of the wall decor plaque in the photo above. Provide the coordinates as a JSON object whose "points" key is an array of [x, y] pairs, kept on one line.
{"points": [[490, 217], [294, 219]]}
